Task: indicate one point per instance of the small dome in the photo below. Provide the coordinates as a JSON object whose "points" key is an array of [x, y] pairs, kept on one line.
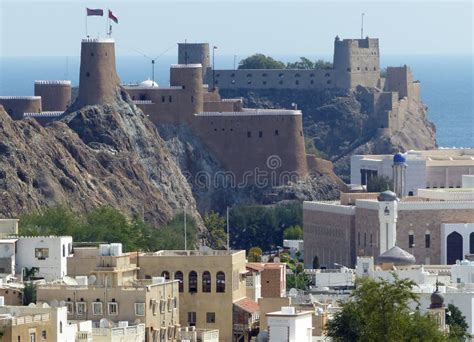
{"points": [[396, 256], [149, 84], [387, 196], [399, 159], [437, 300]]}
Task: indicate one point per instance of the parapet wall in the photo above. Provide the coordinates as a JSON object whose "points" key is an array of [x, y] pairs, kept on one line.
{"points": [[55, 95], [16, 106], [249, 144]]}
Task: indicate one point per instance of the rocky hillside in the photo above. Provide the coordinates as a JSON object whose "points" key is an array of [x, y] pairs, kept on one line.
{"points": [[339, 123], [200, 167], [96, 155]]}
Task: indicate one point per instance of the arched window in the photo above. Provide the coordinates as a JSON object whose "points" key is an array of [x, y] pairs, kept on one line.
{"points": [[220, 282], [193, 279], [179, 276], [453, 248], [206, 281], [166, 275]]}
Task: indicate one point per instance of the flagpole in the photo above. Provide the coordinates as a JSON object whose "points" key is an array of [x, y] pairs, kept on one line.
{"points": [[107, 24], [86, 25]]}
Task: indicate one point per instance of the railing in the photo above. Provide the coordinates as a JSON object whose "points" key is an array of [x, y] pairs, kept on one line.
{"points": [[83, 336]]}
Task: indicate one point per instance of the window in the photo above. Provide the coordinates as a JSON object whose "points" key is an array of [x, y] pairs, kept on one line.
{"points": [[311, 82], [81, 308], [113, 309], [328, 82], [162, 99], [64, 250], [276, 132], [281, 82], [60, 327], [154, 306], [211, 317], [410, 193], [42, 253], [162, 306], [220, 282], [43, 334], [411, 239], [427, 239], [249, 75], [249, 134], [139, 309], [179, 276], [170, 99], [249, 82], [70, 308], [192, 98], [264, 82], [97, 308], [206, 282], [192, 281], [297, 82], [365, 239], [32, 337], [88, 74], [260, 134], [166, 275], [170, 332], [358, 238], [192, 318]]}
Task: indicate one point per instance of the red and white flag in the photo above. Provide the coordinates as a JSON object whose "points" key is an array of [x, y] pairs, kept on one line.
{"points": [[113, 17], [96, 11]]}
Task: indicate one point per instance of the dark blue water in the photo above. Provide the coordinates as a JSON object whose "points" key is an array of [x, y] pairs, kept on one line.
{"points": [[447, 83]]}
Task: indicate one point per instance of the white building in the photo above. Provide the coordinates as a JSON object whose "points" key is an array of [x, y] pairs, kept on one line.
{"points": [[288, 325], [441, 168], [47, 253]]}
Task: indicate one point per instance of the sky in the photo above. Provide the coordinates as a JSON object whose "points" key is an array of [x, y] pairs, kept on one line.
{"points": [[55, 28]]}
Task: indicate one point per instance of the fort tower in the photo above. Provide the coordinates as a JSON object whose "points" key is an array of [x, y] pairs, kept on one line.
{"points": [[189, 77], [195, 53], [98, 81], [55, 95]]}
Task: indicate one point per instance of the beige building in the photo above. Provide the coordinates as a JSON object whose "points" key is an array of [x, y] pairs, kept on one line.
{"points": [[212, 288], [110, 293]]}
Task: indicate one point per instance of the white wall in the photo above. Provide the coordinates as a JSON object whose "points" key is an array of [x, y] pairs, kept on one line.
{"points": [[290, 328], [465, 229], [52, 267]]}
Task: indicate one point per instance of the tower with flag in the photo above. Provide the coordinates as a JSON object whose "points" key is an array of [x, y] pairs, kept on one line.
{"points": [[114, 18]]}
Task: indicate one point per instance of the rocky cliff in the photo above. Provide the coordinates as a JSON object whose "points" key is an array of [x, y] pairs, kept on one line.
{"points": [[341, 123], [96, 155]]}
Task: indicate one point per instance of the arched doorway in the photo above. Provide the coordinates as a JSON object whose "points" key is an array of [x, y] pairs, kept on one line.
{"points": [[453, 248]]}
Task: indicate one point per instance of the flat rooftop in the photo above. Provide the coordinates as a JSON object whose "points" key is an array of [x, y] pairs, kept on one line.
{"points": [[193, 253], [439, 156]]}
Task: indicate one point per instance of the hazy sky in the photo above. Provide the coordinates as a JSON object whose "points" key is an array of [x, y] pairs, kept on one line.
{"points": [[54, 28]]}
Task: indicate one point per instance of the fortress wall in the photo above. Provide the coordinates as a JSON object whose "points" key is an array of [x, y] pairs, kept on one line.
{"points": [[55, 95], [98, 79], [399, 79], [189, 77], [243, 142], [219, 106], [324, 167], [273, 79], [16, 106]]}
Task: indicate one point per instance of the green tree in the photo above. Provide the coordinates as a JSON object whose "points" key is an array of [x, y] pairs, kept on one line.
{"points": [[293, 233], [457, 323], [379, 184], [303, 63], [29, 293], [260, 61], [215, 234], [321, 64], [29, 273], [255, 254], [379, 310]]}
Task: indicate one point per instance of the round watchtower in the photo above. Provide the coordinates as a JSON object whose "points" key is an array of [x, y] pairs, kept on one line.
{"points": [[55, 95], [98, 81], [16, 106], [189, 77], [195, 53]]}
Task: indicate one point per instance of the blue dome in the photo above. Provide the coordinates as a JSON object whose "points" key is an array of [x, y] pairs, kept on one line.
{"points": [[399, 159]]}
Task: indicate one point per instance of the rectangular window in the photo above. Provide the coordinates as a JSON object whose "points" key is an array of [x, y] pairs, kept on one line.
{"points": [[43, 334], [113, 309], [81, 308], [70, 308], [42, 253], [97, 308], [162, 99], [358, 238], [249, 134], [211, 317], [427, 241], [154, 307], [260, 134], [139, 309], [192, 318], [170, 98], [32, 337], [411, 241], [162, 306]]}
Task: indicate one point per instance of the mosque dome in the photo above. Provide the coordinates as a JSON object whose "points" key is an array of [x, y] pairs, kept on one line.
{"points": [[396, 256], [437, 300], [149, 84], [399, 159], [387, 196]]}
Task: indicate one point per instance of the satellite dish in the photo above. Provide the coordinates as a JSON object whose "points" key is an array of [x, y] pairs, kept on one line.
{"points": [[62, 303], [293, 292], [276, 260], [54, 304], [92, 279], [265, 258], [105, 323], [32, 305], [69, 281]]}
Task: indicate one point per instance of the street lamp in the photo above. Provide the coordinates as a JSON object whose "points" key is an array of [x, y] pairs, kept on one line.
{"points": [[213, 67]]}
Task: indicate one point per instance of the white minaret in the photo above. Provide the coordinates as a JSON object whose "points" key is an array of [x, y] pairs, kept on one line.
{"points": [[399, 169], [388, 214]]}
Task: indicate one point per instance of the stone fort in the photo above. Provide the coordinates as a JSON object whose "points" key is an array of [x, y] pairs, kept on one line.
{"points": [[245, 141]]}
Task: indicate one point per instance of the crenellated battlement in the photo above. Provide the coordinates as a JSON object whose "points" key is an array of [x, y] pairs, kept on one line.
{"points": [[24, 98], [98, 40], [46, 114], [256, 112], [184, 66], [53, 82]]}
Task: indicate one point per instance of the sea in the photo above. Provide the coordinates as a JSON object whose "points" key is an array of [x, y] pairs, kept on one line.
{"points": [[446, 83]]}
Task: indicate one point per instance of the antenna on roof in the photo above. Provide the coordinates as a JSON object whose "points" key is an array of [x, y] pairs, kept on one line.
{"points": [[153, 59], [362, 27]]}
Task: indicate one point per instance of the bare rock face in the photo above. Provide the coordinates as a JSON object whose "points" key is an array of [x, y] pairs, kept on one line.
{"points": [[96, 155]]}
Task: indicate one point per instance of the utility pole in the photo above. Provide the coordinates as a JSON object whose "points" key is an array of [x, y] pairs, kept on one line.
{"points": [[213, 67], [362, 27]]}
